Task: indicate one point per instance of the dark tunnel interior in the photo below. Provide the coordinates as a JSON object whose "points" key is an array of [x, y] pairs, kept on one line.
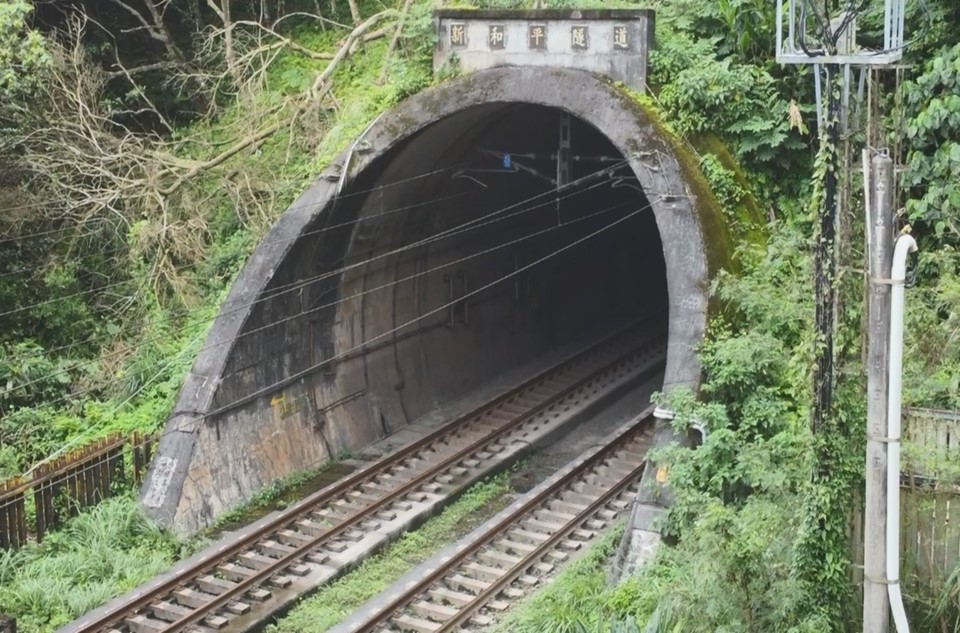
{"points": [[484, 241]]}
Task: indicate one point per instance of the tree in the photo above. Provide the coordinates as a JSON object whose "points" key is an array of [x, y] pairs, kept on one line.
{"points": [[24, 58]]}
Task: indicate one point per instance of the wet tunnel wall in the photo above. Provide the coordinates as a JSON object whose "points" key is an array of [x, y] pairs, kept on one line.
{"points": [[435, 254]]}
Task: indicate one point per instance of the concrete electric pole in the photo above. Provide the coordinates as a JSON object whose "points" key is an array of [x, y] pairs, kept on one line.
{"points": [[879, 234], [825, 35]]}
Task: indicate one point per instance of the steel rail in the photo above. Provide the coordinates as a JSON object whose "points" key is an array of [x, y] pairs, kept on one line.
{"points": [[258, 577], [309, 504], [464, 612]]}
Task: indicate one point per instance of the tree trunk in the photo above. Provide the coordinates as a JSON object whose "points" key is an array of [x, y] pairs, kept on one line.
{"points": [[354, 11]]}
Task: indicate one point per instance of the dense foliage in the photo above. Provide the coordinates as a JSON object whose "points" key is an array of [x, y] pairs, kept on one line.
{"points": [[143, 154], [123, 234], [111, 549]]}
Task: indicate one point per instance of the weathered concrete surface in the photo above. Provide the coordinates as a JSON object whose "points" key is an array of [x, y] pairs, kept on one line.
{"points": [[612, 42], [329, 282]]}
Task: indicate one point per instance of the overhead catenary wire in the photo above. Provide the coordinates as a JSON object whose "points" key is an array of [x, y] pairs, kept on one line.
{"points": [[146, 282], [277, 291], [81, 393], [360, 346], [346, 223], [299, 284], [295, 285], [345, 196], [242, 307], [90, 362]]}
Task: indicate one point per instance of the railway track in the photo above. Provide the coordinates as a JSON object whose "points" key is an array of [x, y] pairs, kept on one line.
{"points": [[508, 559], [327, 533]]}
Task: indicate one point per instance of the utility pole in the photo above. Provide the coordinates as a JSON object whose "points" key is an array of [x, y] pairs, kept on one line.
{"points": [[879, 233], [824, 34]]}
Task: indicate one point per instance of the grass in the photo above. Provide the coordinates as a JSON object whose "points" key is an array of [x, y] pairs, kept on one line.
{"points": [[574, 602], [336, 601], [280, 494], [98, 555]]}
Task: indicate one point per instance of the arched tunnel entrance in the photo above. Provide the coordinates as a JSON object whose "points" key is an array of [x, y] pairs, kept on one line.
{"points": [[460, 267], [472, 229]]}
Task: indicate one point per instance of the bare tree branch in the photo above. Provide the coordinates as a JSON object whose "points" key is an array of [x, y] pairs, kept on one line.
{"points": [[222, 157], [146, 68], [321, 85], [223, 12], [88, 166], [155, 29], [285, 41]]}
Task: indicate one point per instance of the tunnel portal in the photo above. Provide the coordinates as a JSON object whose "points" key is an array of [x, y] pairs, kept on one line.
{"points": [[468, 232]]}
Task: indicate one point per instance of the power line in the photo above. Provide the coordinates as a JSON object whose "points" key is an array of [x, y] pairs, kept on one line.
{"points": [[475, 223], [346, 196], [460, 229], [145, 282], [66, 371], [295, 285], [305, 372], [282, 289], [268, 389]]}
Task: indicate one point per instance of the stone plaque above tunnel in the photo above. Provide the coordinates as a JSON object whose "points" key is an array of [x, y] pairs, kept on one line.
{"points": [[612, 42]]}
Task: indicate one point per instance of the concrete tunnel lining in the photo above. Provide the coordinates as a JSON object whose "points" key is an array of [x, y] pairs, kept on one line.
{"points": [[200, 468]]}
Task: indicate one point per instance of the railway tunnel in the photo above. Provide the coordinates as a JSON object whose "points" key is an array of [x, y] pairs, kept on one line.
{"points": [[470, 230]]}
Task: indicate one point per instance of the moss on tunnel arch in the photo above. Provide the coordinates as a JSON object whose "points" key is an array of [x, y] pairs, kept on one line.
{"points": [[725, 227], [723, 238]]}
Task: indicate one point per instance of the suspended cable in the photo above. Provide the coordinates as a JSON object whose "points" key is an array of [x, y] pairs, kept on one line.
{"points": [[442, 235], [294, 207], [245, 306], [360, 346]]}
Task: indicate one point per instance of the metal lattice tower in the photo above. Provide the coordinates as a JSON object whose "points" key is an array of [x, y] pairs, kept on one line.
{"points": [[825, 32]]}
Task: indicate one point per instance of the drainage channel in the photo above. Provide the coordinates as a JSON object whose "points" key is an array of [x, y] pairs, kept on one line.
{"points": [[327, 534]]}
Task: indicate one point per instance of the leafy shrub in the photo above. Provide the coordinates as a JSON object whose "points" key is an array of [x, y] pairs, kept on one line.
{"points": [[739, 102], [23, 55], [741, 498], [98, 555], [933, 134], [27, 375]]}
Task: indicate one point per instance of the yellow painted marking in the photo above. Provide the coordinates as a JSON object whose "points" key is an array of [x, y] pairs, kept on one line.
{"points": [[662, 475]]}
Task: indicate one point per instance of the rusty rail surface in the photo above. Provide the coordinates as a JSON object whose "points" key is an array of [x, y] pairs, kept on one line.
{"points": [[509, 558], [208, 592]]}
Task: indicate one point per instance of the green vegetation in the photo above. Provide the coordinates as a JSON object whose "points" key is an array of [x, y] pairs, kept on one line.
{"points": [[336, 601], [573, 602], [114, 294], [739, 517], [933, 162], [123, 229], [97, 556], [279, 494]]}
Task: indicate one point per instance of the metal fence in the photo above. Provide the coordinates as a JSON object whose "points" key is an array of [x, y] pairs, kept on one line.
{"points": [[63, 487]]}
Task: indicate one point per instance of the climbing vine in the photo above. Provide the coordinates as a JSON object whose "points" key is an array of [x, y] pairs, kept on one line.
{"points": [[822, 553]]}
